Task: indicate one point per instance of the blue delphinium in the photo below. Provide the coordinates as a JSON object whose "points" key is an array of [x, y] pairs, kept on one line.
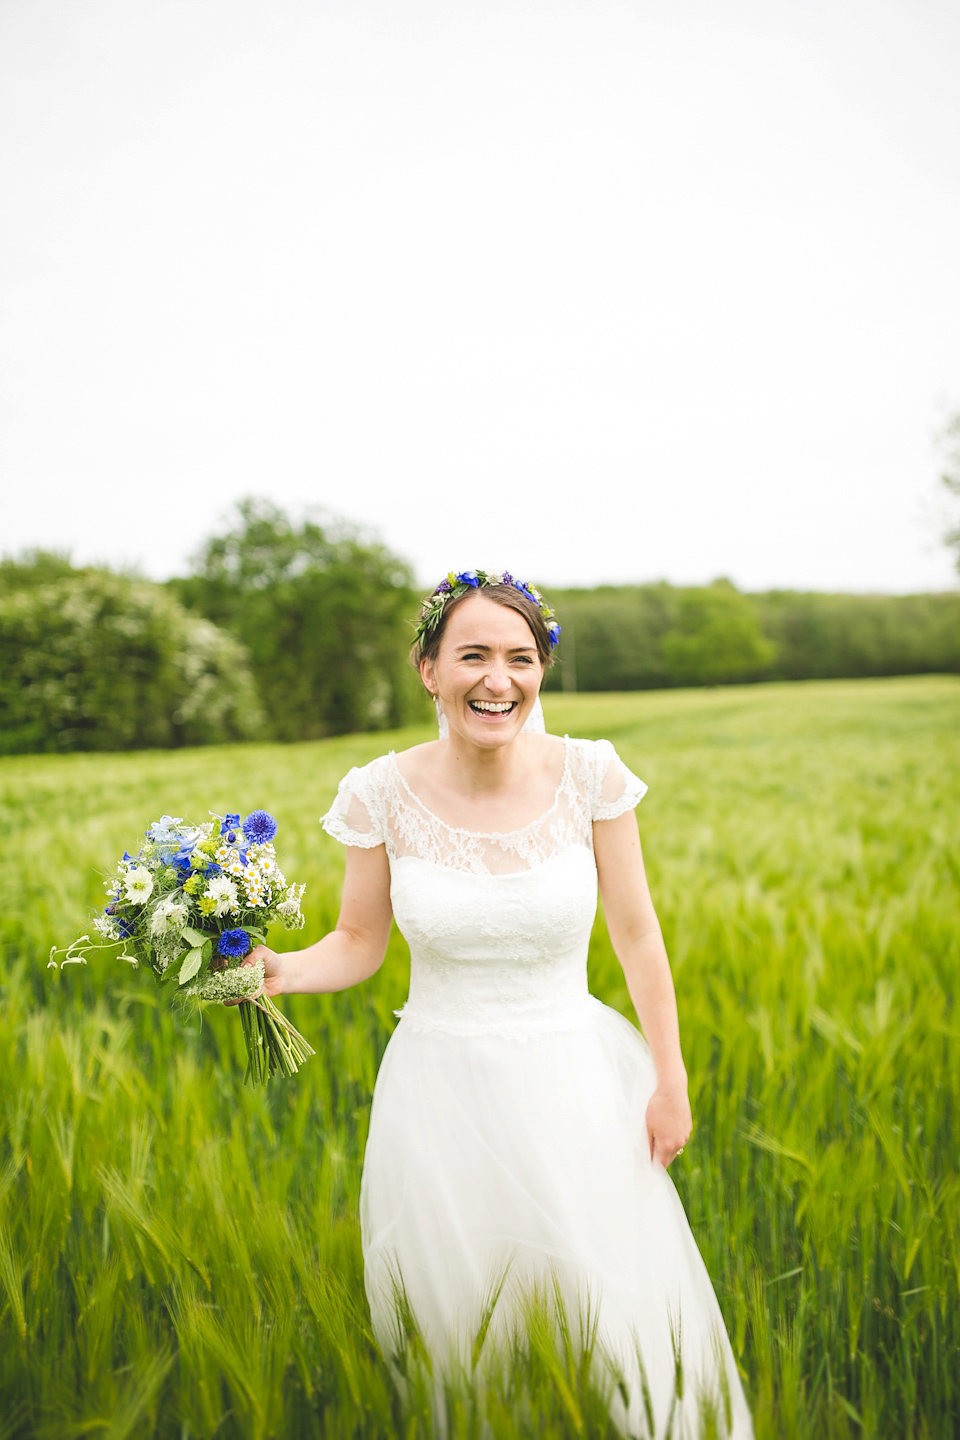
{"points": [[234, 944], [181, 861], [468, 577], [259, 827]]}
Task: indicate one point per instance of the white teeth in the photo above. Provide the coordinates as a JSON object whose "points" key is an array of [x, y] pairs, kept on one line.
{"points": [[497, 706]]}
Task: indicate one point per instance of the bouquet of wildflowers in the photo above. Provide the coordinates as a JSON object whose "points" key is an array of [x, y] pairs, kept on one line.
{"points": [[191, 904]]}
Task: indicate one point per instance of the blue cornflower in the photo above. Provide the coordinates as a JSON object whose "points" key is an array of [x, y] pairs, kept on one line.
{"points": [[259, 827], [468, 577], [234, 944]]}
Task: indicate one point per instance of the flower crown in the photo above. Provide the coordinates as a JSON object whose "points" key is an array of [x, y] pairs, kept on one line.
{"points": [[457, 584]]}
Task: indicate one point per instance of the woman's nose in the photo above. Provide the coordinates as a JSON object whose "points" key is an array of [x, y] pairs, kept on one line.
{"points": [[497, 679]]}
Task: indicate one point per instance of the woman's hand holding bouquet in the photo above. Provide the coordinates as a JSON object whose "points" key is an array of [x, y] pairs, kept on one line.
{"points": [[193, 904]]}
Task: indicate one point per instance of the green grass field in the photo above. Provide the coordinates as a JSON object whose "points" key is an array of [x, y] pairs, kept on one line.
{"points": [[179, 1256]]}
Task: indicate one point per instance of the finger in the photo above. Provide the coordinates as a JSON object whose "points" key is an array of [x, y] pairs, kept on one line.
{"points": [[652, 1141]]}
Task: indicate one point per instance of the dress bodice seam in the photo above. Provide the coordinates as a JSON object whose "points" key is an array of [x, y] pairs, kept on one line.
{"points": [[489, 834], [495, 874]]}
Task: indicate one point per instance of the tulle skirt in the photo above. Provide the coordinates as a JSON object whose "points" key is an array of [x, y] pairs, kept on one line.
{"points": [[496, 1166]]}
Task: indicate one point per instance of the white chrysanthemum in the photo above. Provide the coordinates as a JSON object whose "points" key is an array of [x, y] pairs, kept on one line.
{"points": [[223, 891], [138, 884], [168, 916]]}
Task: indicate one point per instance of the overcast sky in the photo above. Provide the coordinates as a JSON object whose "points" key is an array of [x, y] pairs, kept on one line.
{"points": [[591, 289]]}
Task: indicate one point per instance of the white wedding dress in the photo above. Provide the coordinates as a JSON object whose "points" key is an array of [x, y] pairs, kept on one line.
{"points": [[507, 1133]]}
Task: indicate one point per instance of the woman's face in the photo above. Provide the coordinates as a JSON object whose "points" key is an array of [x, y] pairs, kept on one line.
{"points": [[487, 674]]}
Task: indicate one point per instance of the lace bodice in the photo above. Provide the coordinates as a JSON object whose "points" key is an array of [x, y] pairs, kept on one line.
{"points": [[497, 924]]}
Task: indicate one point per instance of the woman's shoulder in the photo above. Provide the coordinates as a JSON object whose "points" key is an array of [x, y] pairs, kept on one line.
{"points": [[590, 756], [372, 773], [608, 784], [356, 816], [411, 761]]}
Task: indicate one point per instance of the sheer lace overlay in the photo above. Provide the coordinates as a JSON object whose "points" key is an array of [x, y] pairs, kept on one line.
{"points": [[375, 806], [498, 925]]}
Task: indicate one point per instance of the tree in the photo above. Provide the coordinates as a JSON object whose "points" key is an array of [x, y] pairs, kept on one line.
{"points": [[323, 613], [715, 638], [95, 661]]}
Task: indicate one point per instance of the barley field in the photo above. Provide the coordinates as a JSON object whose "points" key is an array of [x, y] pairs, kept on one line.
{"points": [[179, 1254]]}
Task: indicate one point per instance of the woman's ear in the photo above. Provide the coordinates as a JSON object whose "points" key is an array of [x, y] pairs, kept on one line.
{"points": [[427, 676]]}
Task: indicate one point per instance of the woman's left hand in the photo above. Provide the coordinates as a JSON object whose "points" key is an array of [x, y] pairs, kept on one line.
{"points": [[669, 1122]]}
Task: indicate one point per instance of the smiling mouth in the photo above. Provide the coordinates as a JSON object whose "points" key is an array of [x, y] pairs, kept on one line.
{"points": [[493, 708]]}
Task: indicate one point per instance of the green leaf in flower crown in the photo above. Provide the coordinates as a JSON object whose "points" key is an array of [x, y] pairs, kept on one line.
{"points": [[191, 965], [195, 937]]}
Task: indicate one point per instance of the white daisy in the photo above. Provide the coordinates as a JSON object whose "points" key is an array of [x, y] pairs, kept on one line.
{"points": [[253, 886]]}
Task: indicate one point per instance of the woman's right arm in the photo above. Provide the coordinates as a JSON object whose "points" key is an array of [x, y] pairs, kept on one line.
{"points": [[350, 953]]}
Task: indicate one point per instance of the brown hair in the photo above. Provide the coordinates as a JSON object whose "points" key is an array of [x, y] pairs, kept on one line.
{"points": [[508, 595]]}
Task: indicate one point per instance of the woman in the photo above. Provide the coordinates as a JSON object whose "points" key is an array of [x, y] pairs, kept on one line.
{"points": [[520, 1130]]}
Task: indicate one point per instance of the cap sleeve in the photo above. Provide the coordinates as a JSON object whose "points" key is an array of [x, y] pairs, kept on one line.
{"points": [[357, 815], [616, 789]]}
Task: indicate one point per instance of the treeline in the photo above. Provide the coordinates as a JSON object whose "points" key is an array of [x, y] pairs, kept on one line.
{"points": [[643, 637], [281, 631], [293, 631]]}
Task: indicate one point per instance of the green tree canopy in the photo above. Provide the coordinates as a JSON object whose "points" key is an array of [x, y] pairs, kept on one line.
{"points": [[322, 611], [715, 637], [95, 661]]}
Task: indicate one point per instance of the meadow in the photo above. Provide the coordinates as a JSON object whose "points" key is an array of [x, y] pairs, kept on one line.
{"points": [[179, 1254]]}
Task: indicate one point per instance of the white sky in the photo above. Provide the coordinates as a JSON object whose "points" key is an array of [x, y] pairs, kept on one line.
{"points": [[595, 290]]}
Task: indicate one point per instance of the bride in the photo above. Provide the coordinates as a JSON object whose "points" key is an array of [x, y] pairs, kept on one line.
{"points": [[521, 1131]]}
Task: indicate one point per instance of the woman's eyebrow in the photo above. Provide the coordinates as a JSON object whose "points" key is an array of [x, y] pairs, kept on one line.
{"points": [[512, 650]]}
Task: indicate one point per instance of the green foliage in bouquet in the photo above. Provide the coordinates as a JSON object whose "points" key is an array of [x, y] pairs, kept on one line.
{"points": [[191, 905]]}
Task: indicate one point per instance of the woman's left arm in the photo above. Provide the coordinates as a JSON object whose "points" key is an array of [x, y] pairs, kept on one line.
{"points": [[635, 934]]}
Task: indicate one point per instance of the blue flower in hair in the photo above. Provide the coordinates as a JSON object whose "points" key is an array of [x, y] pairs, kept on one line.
{"points": [[469, 577]]}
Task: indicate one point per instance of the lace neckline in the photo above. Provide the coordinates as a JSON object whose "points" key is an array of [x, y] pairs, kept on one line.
{"points": [[489, 834]]}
